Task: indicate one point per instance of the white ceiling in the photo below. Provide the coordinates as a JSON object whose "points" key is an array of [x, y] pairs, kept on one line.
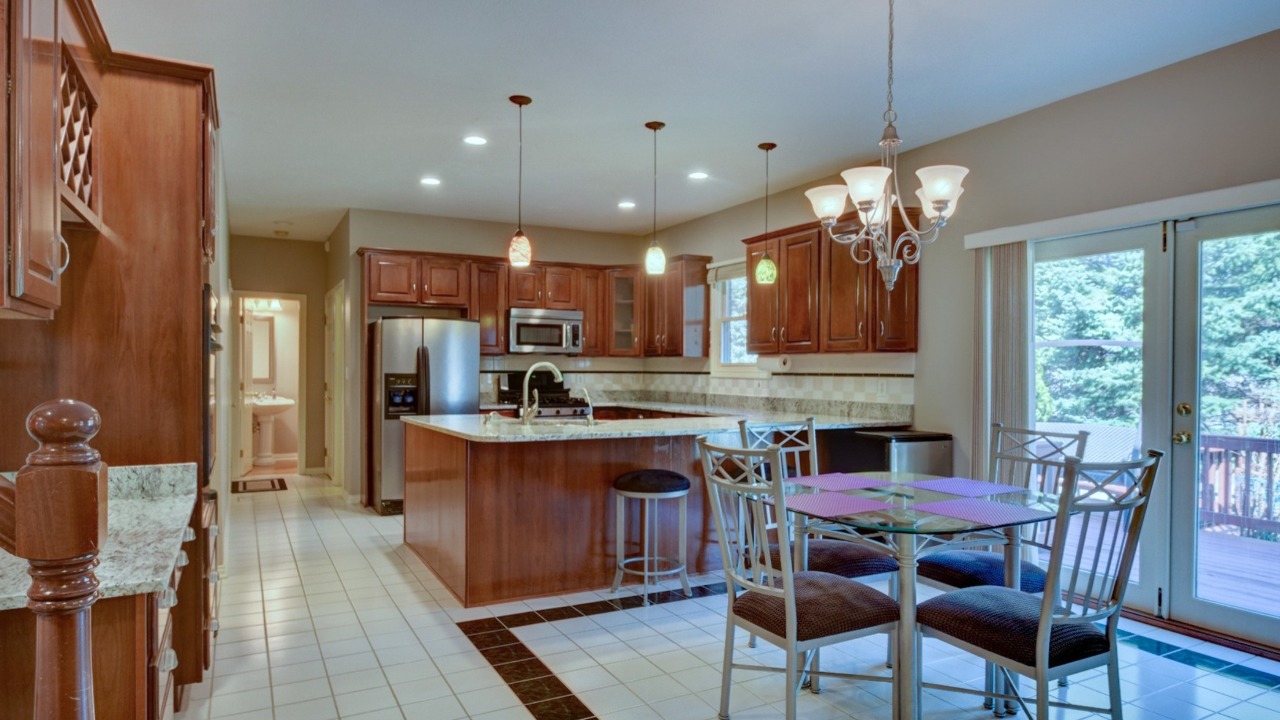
{"points": [[331, 104]]}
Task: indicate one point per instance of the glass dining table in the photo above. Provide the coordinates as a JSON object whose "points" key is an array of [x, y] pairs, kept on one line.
{"points": [[912, 515]]}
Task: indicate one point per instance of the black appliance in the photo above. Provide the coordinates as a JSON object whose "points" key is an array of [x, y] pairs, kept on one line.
{"points": [[918, 451]]}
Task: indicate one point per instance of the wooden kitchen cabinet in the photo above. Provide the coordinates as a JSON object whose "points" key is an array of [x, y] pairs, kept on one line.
{"points": [[676, 303], [858, 313], [784, 317], [406, 279], [550, 287], [591, 288], [489, 305], [624, 303]]}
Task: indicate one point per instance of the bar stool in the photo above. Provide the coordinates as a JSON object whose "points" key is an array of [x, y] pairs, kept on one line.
{"points": [[650, 486]]}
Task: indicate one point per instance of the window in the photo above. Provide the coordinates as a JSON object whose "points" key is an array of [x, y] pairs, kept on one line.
{"points": [[729, 356], [733, 323]]}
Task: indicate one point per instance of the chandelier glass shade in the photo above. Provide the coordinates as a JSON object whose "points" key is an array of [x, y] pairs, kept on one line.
{"points": [[874, 193], [766, 271], [520, 250]]}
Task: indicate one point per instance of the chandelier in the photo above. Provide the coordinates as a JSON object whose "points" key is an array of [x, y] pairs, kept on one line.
{"points": [[875, 199], [519, 251], [766, 271]]}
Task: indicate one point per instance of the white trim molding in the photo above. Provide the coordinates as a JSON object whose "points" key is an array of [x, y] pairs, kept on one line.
{"points": [[1241, 197]]}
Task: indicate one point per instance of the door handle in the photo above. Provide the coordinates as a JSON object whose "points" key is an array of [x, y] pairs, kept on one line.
{"points": [[784, 334], [1181, 438], [773, 334], [859, 328]]}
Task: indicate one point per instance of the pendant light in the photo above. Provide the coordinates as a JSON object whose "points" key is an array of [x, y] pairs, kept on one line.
{"points": [[655, 260], [519, 251], [766, 269]]}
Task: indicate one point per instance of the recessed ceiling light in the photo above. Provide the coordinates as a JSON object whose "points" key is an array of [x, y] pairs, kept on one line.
{"points": [[698, 175], [430, 181], [474, 140], [626, 205]]}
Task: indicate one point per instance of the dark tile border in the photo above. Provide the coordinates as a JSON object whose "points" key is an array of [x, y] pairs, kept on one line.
{"points": [[546, 697]]}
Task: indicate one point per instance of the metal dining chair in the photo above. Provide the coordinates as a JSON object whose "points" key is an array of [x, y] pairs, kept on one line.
{"points": [[799, 611], [1095, 535]]}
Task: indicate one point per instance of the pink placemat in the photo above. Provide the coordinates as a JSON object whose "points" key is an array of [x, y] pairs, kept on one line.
{"points": [[986, 512], [838, 482], [965, 487], [830, 505]]}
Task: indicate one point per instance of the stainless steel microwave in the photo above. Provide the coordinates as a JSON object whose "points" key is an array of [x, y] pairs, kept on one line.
{"points": [[556, 332]]}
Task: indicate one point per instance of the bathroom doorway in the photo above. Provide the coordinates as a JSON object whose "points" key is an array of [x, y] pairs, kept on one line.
{"points": [[271, 367]]}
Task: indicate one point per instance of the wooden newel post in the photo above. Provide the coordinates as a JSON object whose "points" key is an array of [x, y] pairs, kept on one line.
{"points": [[59, 516]]}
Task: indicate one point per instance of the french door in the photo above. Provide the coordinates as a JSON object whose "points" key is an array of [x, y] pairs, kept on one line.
{"points": [[1168, 336], [1225, 440]]}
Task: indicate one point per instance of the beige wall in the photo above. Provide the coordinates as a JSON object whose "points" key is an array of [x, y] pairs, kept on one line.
{"points": [[298, 268], [1208, 122]]}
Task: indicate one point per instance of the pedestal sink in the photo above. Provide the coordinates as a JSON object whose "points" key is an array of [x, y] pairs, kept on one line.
{"points": [[265, 410]]}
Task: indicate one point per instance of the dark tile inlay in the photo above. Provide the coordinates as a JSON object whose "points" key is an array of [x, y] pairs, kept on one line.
{"points": [[521, 670], [1246, 674], [1198, 660], [562, 708], [629, 602], [540, 689], [596, 608], [507, 653], [1146, 644], [563, 612], [493, 639], [521, 619], [472, 627]]}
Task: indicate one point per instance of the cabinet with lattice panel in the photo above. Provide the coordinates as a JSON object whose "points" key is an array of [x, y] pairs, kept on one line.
{"points": [[77, 157]]}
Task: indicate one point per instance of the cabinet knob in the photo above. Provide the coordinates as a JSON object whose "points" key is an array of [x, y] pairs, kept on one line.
{"points": [[773, 333], [784, 334], [859, 328], [189, 534], [881, 328]]}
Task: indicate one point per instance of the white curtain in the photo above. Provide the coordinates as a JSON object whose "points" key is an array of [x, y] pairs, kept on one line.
{"points": [[1002, 348]]}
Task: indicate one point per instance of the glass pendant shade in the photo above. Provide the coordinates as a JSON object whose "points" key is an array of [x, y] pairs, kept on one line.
{"points": [[941, 182], [519, 251], [275, 306], [866, 184], [766, 270], [926, 207], [828, 201], [655, 260]]}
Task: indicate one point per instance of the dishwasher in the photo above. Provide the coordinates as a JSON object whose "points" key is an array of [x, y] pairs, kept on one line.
{"points": [[918, 451]]}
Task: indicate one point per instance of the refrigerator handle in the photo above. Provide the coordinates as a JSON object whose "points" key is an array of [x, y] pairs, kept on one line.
{"points": [[424, 381]]}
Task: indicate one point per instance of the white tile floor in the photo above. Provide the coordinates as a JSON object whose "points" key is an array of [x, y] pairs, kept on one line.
{"points": [[326, 614]]}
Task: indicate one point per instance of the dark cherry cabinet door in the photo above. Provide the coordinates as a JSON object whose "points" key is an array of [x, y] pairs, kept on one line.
{"points": [[798, 292], [845, 291], [489, 305], [655, 316], [445, 281], [560, 288], [591, 299], [525, 288], [674, 310], [391, 278], [762, 302], [897, 312]]}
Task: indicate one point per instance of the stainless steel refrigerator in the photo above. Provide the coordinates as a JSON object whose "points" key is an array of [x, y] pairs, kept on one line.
{"points": [[418, 366]]}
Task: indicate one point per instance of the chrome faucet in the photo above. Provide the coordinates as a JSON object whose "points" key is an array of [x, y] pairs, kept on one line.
{"points": [[591, 411], [527, 412]]}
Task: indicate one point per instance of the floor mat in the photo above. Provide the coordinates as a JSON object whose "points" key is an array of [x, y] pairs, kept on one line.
{"points": [[258, 485]]}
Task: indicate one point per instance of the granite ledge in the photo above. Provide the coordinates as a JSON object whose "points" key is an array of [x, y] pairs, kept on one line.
{"points": [[148, 510]]}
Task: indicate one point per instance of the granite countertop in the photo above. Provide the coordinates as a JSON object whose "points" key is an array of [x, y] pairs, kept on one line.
{"points": [[711, 420], [148, 510]]}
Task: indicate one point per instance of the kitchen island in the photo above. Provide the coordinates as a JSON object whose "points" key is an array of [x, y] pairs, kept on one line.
{"points": [[502, 511]]}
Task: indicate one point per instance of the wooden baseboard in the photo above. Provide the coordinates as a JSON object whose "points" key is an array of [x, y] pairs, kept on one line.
{"points": [[1199, 633]]}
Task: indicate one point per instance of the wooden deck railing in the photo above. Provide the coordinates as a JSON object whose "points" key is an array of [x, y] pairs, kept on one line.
{"points": [[55, 516], [1238, 484]]}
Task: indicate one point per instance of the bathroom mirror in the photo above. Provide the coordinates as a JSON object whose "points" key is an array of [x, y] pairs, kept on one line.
{"points": [[264, 349]]}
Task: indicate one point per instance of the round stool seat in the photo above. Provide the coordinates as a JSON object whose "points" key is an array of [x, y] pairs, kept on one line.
{"points": [[651, 482]]}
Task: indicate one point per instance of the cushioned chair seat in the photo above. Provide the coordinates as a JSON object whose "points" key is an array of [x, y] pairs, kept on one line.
{"points": [[1005, 621], [974, 568], [843, 558], [651, 481], [826, 605]]}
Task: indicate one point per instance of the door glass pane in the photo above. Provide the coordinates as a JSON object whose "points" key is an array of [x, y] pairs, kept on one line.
{"points": [[1088, 351], [1238, 497]]}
